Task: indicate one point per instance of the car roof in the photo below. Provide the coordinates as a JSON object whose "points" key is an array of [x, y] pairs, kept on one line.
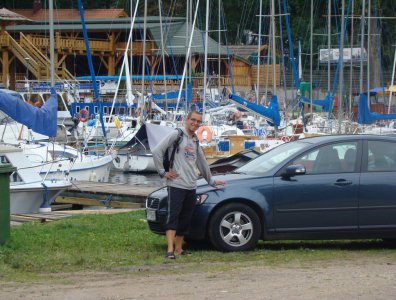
{"points": [[343, 137]]}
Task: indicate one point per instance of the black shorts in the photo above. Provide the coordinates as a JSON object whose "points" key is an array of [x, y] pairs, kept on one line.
{"points": [[181, 205]]}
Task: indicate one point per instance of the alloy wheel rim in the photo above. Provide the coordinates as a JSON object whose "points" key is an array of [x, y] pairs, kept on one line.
{"points": [[236, 229]]}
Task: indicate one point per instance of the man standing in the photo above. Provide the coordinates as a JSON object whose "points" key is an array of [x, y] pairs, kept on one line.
{"points": [[182, 180]]}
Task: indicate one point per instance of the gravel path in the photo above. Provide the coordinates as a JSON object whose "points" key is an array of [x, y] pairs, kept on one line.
{"points": [[368, 279]]}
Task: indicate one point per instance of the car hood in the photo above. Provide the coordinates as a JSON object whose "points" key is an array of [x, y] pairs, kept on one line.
{"points": [[232, 179], [229, 178]]}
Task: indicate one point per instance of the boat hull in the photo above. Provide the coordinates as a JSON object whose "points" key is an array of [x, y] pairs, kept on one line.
{"points": [[97, 170], [26, 199], [134, 163]]}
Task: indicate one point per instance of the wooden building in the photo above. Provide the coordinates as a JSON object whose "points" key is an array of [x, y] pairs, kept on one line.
{"points": [[25, 48]]}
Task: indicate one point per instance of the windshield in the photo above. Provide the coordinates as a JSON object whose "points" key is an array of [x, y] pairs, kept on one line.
{"points": [[271, 159]]}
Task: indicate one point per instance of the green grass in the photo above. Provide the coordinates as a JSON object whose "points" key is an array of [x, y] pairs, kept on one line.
{"points": [[104, 242]]}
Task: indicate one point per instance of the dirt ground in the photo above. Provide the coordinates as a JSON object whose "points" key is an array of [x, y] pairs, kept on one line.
{"points": [[363, 279]]}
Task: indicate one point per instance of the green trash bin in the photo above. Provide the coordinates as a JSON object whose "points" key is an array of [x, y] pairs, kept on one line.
{"points": [[5, 171]]}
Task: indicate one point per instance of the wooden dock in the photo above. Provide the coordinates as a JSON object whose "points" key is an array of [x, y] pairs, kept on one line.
{"points": [[96, 195], [18, 219], [105, 194]]}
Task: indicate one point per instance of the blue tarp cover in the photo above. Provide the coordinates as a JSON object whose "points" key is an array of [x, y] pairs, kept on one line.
{"points": [[367, 117], [326, 104], [41, 120], [134, 77], [270, 113]]}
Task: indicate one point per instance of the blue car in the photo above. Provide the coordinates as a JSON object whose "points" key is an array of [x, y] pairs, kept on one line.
{"points": [[327, 187]]}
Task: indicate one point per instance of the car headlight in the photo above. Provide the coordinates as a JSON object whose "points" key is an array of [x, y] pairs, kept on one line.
{"points": [[201, 198]]}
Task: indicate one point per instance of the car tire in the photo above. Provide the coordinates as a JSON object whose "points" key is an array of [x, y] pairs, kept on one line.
{"points": [[234, 227]]}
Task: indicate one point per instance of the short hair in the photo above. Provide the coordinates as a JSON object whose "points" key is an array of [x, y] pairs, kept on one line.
{"points": [[193, 112]]}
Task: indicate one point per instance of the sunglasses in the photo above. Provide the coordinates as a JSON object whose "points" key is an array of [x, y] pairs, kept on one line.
{"points": [[196, 121]]}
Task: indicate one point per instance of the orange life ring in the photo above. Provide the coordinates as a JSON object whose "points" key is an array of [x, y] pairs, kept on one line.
{"points": [[83, 115], [209, 134]]}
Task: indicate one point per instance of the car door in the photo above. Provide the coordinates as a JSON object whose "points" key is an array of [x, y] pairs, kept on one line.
{"points": [[377, 200], [325, 198]]}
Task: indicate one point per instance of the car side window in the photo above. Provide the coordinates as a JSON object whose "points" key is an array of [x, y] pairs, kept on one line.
{"points": [[334, 158], [381, 156]]}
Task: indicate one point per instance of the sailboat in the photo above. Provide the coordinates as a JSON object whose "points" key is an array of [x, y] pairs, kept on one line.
{"points": [[50, 158], [29, 192]]}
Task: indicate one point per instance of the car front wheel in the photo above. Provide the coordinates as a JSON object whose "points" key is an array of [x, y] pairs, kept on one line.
{"points": [[234, 227]]}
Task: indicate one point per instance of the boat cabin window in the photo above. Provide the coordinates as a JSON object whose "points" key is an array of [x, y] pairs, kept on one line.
{"points": [[105, 110], [96, 110], [61, 155], [229, 132], [121, 110], [134, 123]]}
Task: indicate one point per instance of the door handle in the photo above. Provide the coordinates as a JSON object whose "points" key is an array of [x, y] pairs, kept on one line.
{"points": [[343, 182]]}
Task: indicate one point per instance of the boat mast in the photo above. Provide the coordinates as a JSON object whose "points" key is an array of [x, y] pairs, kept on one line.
{"points": [[141, 101], [362, 47], [52, 48], [368, 50], [205, 59], [328, 43], [341, 75], [187, 55], [311, 61], [131, 52], [273, 47], [392, 82], [351, 62], [259, 54], [219, 57], [163, 55]]}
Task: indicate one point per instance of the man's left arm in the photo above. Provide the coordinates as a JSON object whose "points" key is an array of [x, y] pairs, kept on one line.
{"points": [[204, 169]]}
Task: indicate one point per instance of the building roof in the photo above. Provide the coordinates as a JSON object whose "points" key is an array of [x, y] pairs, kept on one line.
{"points": [[174, 31], [103, 24], [8, 17], [244, 51], [72, 14], [175, 38]]}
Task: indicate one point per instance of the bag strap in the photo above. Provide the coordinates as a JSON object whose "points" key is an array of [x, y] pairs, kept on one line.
{"points": [[175, 147]]}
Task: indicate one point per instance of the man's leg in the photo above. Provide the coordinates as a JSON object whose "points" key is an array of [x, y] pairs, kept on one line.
{"points": [[179, 244], [185, 219], [175, 200], [170, 236]]}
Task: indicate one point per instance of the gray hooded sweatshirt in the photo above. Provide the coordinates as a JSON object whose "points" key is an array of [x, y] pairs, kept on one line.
{"points": [[188, 161]]}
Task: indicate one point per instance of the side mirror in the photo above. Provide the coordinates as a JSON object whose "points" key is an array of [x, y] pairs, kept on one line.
{"points": [[294, 170]]}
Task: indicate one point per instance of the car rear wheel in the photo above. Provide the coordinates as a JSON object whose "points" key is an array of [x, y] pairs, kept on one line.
{"points": [[234, 227]]}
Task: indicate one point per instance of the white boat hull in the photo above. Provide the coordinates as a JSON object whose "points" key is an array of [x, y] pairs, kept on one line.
{"points": [[97, 169], [27, 189], [134, 163], [28, 200], [54, 161]]}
